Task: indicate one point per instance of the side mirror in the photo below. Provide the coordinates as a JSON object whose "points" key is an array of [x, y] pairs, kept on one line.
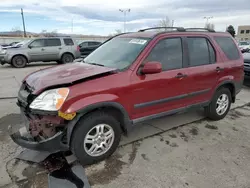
{"points": [[29, 47], [152, 67]]}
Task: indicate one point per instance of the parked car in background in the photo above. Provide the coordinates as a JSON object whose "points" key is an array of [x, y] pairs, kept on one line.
{"points": [[87, 47], [133, 77], [60, 49], [246, 57], [244, 46], [15, 44]]}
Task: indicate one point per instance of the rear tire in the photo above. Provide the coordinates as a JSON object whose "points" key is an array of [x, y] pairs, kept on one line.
{"points": [[67, 58], [98, 130], [220, 104], [19, 61]]}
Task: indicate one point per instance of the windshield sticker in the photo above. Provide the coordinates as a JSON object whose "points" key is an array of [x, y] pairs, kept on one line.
{"points": [[138, 41]]}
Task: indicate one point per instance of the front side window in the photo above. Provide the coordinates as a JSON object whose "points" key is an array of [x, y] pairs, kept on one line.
{"points": [[37, 43], [200, 51], [168, 52], [117, 53]]}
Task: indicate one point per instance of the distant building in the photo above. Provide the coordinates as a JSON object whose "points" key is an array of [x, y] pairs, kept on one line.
{"points": [[243, 33]]}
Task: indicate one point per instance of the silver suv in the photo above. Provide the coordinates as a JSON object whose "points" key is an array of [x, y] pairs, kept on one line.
{"points": [[60, 49]]}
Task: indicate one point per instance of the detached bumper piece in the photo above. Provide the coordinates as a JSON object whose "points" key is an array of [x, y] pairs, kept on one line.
{"points": [[52, 144]]}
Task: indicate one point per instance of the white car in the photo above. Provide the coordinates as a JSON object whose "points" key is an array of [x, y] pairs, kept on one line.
{"points": [[244, 46]]}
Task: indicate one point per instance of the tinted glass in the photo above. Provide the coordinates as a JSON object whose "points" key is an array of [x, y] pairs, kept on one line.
{"points": [[37, 43], [68, 42], [92, 43], [168, 52], [198, 51], [228, 47], [117, 53], [53, 42]]}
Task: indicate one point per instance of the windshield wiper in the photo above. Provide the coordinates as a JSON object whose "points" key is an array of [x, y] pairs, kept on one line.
{"points": [[97, 64]]}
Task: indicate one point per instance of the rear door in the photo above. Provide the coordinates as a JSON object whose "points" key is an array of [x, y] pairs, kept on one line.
{"points": [[36, 50], [203, 71], [52, 48]]}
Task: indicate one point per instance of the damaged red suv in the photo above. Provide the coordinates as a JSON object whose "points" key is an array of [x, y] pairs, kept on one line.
{"points": [[85, 106]]}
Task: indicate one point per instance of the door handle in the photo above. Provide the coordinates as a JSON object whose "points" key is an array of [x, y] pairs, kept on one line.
{"points": [[218, 69], [59, 48], [42, 49], [180, 75]]}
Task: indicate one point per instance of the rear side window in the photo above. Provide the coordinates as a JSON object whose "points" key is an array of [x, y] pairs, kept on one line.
{"points": [[68, 42], [228, 47], [53, 42], [168, 52], [201, 51]]}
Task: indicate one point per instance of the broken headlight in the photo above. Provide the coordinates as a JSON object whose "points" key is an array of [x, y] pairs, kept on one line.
{"points": [[51, 100]]}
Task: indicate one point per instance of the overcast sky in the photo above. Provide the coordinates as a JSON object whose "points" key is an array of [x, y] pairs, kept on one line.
{"points": [[103, 17]]}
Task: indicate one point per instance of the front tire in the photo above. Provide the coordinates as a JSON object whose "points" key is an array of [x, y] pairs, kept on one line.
{"points": [[95, 137], [19, 61], [220, 104]]}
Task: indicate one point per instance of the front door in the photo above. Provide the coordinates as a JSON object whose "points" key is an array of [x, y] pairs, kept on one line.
{"points": [[202, 72], [36, 50], [153, 94]]}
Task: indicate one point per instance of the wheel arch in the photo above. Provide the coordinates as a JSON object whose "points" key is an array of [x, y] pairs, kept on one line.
{"points": [[231, 85], [67, 53], [23, 55], [113, 108]]}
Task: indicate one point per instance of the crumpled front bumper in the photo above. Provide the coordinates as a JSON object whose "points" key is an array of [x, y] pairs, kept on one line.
{"points": [[21, 135]]}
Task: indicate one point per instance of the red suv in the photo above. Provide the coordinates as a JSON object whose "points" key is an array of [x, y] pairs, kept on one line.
{"points": [[133, 77]]}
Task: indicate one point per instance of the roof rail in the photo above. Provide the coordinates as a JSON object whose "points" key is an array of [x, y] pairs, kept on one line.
{"points": [[199, 29], [151, 28]]}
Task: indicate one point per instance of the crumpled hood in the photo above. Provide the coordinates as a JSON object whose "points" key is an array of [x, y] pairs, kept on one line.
{"points": [[63, 74]]}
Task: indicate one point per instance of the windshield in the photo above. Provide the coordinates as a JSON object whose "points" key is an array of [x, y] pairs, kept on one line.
{"points": [[117, 53], [243, 43]]}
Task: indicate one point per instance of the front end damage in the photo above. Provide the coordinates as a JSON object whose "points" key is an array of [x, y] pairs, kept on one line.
{"points": [[38, 130]]}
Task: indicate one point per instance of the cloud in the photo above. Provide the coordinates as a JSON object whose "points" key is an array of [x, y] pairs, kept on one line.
{"points": [[103, 17]]}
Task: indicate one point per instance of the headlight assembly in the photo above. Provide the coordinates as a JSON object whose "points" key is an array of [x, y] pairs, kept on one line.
{"points": [[51, 100]]}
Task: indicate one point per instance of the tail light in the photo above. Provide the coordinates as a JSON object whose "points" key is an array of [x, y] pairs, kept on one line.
{"points": [[78, 48]]}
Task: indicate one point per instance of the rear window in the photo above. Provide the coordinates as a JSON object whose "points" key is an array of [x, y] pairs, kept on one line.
{"points": [[228, 47], [53, 42], [68, 42]]}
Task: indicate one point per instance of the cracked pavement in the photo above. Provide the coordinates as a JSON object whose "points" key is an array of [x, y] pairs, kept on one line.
{"points": [[196, 152]]}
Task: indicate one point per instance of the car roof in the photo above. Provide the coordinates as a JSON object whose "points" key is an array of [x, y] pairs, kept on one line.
{"points": [[153, 33]]}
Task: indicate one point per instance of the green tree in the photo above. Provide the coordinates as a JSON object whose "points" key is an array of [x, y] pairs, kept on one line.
{"points": [[230, 29]]}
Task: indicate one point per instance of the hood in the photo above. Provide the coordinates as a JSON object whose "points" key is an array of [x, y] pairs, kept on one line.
{"points": [[246, 57], [63, 74]]}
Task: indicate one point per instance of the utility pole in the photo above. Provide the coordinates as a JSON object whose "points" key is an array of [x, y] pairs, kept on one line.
{"points": [[72, 25], [172, 23], [24, 31], [207, 18], [125, 14]]}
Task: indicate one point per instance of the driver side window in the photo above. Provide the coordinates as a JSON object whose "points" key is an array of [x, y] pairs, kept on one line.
{"points": [[169, 53], [37, 43]]}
